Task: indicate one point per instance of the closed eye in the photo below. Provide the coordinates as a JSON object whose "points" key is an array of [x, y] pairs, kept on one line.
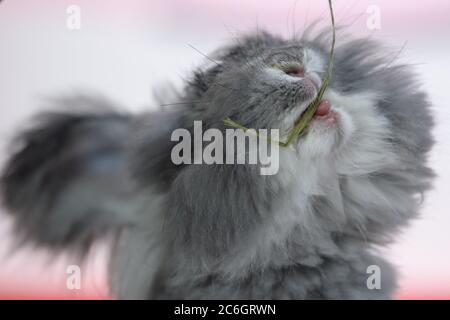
{"points": [[295, 72], [293, 69]]}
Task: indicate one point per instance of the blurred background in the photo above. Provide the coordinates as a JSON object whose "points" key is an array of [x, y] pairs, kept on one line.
{"points": [[126, 49]]}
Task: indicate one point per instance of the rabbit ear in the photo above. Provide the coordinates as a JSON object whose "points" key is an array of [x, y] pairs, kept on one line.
{"points": [[67, 182]]}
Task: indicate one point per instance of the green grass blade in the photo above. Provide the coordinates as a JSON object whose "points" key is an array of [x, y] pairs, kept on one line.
{"points": [[307, 116]]}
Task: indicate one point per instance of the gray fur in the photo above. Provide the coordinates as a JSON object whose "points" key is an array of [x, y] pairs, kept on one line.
{"points": [[224, 231]]}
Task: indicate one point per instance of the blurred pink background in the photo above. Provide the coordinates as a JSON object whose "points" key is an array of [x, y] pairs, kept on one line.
{"points": [[124, 49]]}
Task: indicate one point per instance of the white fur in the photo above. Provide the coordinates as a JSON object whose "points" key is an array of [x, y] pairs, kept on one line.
{"points": [[312, 168]]}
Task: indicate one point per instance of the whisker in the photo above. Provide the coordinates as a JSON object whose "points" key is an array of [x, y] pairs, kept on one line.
{"points": [[180, 103], [294, 11], [358, 16], [206, 56], [223, 86], [306, 15], [399, 52], [348, 10]]}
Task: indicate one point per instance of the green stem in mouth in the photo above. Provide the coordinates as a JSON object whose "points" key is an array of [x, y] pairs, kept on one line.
{"points": [[230, 123], [308, 114]]}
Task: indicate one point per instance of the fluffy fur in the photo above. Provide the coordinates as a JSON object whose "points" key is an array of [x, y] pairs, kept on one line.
{"points": [[225, 231]]}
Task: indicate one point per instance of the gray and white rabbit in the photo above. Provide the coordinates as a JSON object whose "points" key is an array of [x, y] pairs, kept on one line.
{"points": [[201, 231]]}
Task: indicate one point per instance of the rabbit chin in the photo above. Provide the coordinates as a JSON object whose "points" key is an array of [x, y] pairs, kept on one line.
{"points": [[353, 126], [326, 134]]}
